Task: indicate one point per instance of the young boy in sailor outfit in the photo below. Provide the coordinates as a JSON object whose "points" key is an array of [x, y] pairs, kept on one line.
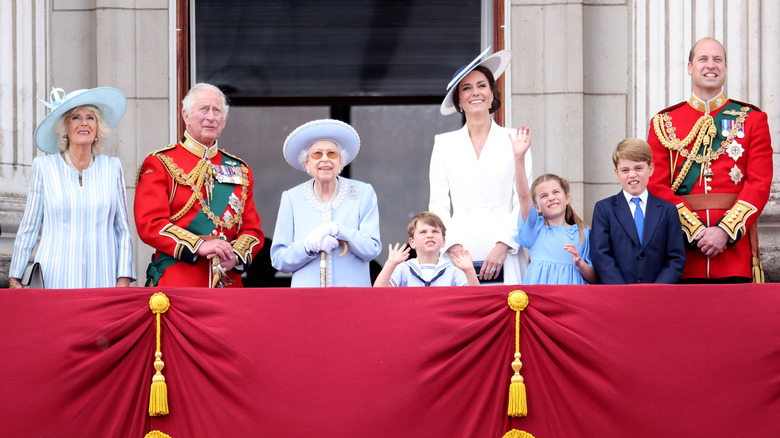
{"points": [[426, 237]]}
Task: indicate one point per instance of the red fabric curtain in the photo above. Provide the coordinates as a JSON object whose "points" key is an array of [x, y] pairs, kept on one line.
{"points": [[599, 361]]}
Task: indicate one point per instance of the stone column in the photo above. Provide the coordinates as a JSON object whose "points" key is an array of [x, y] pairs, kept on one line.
{"points": [[23, 73], [547, 86]]}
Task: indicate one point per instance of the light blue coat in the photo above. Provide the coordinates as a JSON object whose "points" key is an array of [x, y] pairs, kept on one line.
{"points": [[354, 208]]}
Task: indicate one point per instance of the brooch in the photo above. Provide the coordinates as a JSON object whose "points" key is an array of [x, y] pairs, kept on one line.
{"points": [[735, 174]]}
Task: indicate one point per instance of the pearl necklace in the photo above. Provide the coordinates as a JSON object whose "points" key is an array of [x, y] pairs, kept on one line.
{"points": [[70, 164]]}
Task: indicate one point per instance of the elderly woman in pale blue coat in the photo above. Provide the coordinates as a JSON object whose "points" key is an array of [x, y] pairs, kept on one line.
{"points": [[328, 219]]}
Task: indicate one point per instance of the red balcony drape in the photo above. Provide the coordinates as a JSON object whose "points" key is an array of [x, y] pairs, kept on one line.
{"points": [[599, 361]]}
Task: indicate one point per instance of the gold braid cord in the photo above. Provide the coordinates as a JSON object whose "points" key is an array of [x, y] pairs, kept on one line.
{"points": [[518, 407], [158, 396], [195, 180], [703, 131]]}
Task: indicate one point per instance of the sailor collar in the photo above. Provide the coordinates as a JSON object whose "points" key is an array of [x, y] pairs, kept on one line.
{"points": [[198, 149], [707, 106]]}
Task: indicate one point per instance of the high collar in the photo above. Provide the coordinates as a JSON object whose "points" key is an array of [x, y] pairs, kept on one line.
{"points": [[711, 105], [197, 148]]}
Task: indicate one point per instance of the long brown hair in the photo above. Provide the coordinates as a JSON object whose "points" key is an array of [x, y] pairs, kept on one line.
{"points": [[570, 216], [495, 104]]}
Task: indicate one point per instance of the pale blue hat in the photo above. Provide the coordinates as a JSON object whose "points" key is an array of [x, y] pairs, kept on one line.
{"points": [[309, 133], [496, 63], [111, 102]]}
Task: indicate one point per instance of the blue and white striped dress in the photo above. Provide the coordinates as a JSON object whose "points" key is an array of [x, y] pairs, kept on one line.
{"points": [[85, 233]]}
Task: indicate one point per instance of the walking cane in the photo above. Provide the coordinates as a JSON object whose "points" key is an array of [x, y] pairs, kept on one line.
{"points": [[323, 270], [324, 264]]}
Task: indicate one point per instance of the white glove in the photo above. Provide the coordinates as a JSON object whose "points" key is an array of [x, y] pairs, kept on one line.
{"points": [[328, 244], [314, 239]]}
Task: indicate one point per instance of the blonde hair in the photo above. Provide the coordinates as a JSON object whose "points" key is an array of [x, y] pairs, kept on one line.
{"points": [[427, 218], [61, 130], [570, 216], [632, 149]]}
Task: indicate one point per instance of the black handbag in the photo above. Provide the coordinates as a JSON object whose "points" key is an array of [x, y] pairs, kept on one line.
{"points": [[499, 279], [33, 277]]}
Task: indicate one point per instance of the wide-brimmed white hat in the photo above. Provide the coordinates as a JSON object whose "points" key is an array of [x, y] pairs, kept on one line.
{"points": [[111, 102], [318, 130], [496, 63]]}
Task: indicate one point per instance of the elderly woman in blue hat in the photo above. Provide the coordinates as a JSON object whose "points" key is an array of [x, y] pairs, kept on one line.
{"points": [[77, 197], [327, 230], [472, 174]]}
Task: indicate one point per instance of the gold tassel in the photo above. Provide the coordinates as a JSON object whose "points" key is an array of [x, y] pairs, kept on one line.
{"points": [[514, 433], [158, 396], [518, 406], [156, 434], [758, 270]]}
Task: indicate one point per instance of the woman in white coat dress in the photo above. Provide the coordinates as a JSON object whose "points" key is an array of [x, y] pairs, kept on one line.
{"points": [[472, 174], [327, 214]]}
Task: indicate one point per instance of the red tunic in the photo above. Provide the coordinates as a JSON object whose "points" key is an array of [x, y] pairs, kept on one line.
{"points": [[172, 218], [741, 170]]}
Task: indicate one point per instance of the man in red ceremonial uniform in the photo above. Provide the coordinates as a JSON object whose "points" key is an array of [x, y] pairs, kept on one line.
{"points": [[713, 160], [194, 203]]}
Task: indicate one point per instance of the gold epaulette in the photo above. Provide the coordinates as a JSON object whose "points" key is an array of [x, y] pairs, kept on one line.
{"points": [[243, 247], [690, 221], [141, 166], [734, 220], [165, 149]]}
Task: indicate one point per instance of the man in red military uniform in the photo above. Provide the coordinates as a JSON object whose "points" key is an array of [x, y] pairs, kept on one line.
{"points": [[194, 203], [713, 160]]}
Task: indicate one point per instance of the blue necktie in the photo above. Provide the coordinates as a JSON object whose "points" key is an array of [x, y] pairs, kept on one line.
{"points": [[427, 283], [639, 218]]}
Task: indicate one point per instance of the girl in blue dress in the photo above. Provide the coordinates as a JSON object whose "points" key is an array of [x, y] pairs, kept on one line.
{"points": [[556, 238]]}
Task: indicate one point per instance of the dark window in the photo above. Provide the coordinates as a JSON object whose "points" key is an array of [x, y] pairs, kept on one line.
{"points": [[356, 51]]}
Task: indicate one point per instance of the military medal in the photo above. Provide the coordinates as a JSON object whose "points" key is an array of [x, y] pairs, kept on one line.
{"points": [[736, 175], [735, 150], [229, 174], [726, 125], [708, 172], [235, 202]]}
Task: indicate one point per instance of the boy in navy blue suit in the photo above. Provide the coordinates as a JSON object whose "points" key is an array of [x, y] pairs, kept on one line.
{"points": [[636, 236]]}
